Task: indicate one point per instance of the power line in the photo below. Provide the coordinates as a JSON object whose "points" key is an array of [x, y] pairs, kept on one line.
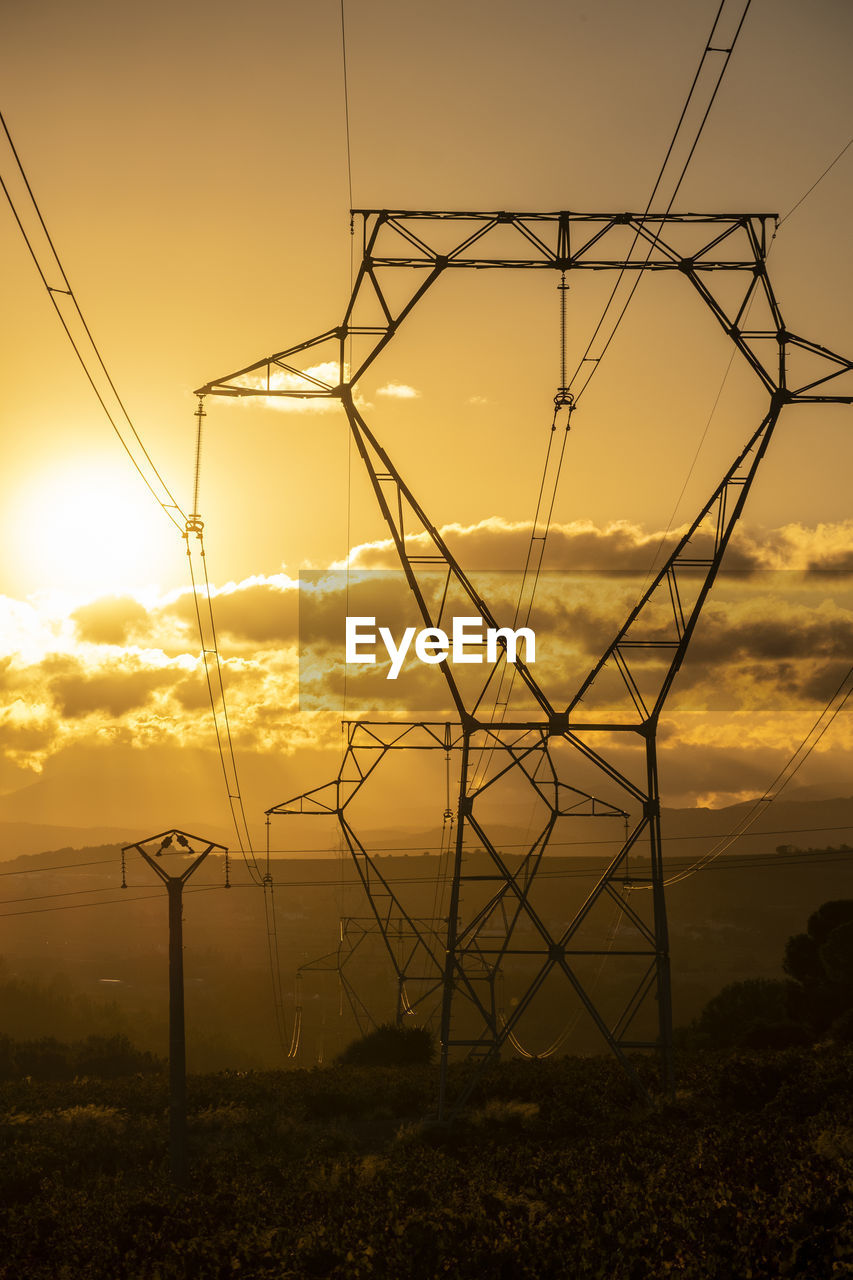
{"points": [[737, 863], [95, 369], [783, 777], [418, 849], [78, 906], [65, 893], [570, 397], [728, 368], [709, 49], [346, 102], [816, 183], [94, 366], [216, 695], [28, 871]]}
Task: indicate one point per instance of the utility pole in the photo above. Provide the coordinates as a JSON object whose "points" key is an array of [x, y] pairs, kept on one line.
{"points": [[176, 847]]}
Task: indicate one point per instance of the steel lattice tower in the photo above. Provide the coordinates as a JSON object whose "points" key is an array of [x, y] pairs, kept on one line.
{"points": [[588, 754]]}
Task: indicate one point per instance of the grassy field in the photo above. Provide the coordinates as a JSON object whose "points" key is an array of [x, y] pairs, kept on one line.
{"points": [[555, 1171]]}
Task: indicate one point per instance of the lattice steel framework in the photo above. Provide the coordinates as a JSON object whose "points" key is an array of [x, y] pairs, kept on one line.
{"points": [[592, 754], [416, 994]]}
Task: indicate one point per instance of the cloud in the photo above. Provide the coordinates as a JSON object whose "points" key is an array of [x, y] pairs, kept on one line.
{"points": [[259, 610], [496, 543], [310, 390], [110, 620], [398, 391], [124, 685], [770, 649]]}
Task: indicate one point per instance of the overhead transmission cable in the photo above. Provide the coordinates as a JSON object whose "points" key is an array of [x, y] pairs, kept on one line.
{"points": [[410, 849], [815, 184], [346, 101], [569, 1028], [224, 740], [741, 862], [731, 359], [710, 48], [802, 752], [49, 267], [573, 396], [789, 770], [569, 392], [407, 849], [216, 693], [294, 1047]]}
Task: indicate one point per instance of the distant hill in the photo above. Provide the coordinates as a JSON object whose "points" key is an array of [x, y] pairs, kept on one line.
{"points": [[17, 838], [687, 833], [67, 921]]}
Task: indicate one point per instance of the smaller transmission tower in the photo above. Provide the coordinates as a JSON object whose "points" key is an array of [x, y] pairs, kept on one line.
{"points": [[173, 856]]}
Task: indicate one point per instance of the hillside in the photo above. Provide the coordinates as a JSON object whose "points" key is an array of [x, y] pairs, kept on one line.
{"points": [[79, 949]]}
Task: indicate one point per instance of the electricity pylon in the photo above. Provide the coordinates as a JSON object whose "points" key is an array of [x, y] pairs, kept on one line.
{"points": [[591, 754], [414, 994]]}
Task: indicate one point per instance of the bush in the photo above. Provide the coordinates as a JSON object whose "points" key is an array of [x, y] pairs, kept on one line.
{"points": [[841, 1030], [739, 1009], [748, 1084], [390, 1046], [775, 1035], [109, 1057], [821, 961], [105, 1057], [43, 1059]]}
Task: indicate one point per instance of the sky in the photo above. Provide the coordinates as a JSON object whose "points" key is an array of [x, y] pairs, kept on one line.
{"points": [[193, 172]]}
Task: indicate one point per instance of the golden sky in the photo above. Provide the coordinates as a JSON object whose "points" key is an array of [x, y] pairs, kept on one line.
{"points": [[191, 167]]}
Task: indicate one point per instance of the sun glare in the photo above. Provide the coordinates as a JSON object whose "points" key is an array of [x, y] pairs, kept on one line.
{"points": [[91, 527]]}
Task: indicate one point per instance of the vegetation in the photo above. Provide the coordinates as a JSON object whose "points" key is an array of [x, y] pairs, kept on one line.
{"points": [[390, 1046], [556, 1170], [47, 1058], [820, 961], [816, 1000]]}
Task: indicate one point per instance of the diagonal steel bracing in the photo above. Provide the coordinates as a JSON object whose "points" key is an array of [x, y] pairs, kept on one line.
{"points": [[591, 755]]}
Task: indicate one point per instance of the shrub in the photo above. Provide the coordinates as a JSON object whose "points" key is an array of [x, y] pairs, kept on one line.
{"points": [[841, 1030], [738, 1009], [821, 961], [748, 1084], [775, 1035], [105, 1057], [390, 1046], [109, 1057]]}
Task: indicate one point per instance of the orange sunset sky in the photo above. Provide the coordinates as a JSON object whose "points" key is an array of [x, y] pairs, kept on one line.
{"points": [[190, 162]]}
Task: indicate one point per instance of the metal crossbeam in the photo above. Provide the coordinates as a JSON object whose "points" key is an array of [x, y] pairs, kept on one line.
{"points": [[588, 756]]}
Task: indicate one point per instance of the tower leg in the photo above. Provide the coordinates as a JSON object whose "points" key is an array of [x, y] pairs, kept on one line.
{"points": [[663, 976], [453, 929]]}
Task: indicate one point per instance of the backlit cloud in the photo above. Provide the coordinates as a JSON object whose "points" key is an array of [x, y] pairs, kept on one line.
{"points": [[773, 642], [496, 543], [398, 391], [111, 620]]}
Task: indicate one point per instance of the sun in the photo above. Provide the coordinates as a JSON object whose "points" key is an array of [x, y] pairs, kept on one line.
{"points": [[89, 526]]}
